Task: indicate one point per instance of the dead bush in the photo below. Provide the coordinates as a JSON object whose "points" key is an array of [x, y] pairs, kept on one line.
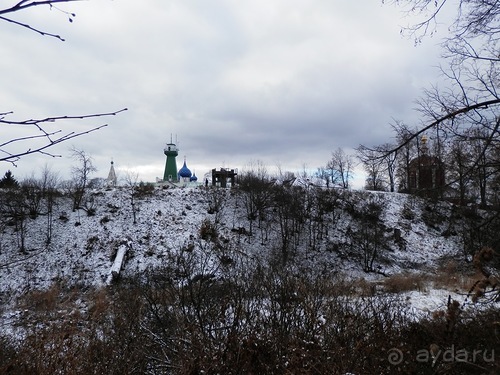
{"points": [[104, 339], [208, 231], [42, 300], [449, 276], [253, 319], [405, 282]]}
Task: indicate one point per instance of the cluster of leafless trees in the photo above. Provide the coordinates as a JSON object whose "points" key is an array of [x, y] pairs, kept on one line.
{"points": [[338, 170], [28, 199], [468, 158], [288, 213], [463, 117], [38, 196]]}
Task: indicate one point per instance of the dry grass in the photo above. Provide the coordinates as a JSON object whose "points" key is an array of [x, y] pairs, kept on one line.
{"points": [[56, 296], [313, 326], [448, 277], [41, 300], [405, 282], [451, 278]]}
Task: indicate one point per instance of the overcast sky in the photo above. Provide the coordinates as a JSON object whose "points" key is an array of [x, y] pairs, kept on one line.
{"points": [[284, 82]]}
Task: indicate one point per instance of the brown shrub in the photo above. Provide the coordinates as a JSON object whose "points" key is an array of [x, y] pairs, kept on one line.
{"points": [[42, 300], [208, 231], [264, 320], [405, 282]]}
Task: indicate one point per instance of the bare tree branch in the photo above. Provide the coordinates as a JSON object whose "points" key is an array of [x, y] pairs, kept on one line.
{"points": [[51, 138], [449, 116], [25, 4], [47, 138], [428, 10]]}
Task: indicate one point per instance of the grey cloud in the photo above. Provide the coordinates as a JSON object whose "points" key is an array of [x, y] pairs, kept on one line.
{"points": [[282, 81]]}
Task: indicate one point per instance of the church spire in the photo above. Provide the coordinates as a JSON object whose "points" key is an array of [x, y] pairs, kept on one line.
{"points": [[111, 180]]}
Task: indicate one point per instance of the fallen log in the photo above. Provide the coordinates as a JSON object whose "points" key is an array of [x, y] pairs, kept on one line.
{"points": [[118, 263]]}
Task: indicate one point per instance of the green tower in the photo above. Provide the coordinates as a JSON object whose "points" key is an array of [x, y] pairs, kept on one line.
{"points": [[171, 150]]}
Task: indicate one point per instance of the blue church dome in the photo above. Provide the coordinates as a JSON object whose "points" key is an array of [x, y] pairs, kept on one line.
{"points": [[193, 178], [184, 171]]}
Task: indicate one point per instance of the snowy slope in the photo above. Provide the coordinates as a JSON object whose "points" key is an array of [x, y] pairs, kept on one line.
{"points": [[83, 248]]}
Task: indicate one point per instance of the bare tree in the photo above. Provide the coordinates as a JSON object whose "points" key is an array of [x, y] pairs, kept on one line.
{"points": [[460, 161], [49, 182], [290, 212], [370, 238], [81, 174], [405, 155], [131, 179], [466, 108], [31, 189], [472, 19], [323, 174], [16, 211], [255, 185], [43, 135], [381, 171], [471, 50], [389, 167], [340, 167], [39, 197], [374, 168]]}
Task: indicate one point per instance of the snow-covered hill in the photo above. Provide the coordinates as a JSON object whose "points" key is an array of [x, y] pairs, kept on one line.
{"points": [[268, 278], [82, 247], [417, 237]]}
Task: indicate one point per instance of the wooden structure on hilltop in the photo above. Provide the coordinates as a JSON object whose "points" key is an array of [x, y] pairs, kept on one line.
{"points": [[219, 178]]}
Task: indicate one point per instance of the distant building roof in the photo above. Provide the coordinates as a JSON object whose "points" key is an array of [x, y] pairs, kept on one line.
{"points": [[184, 171]]}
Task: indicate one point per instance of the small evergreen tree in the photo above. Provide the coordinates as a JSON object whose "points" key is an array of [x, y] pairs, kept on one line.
{"points": [[8, 181]]}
